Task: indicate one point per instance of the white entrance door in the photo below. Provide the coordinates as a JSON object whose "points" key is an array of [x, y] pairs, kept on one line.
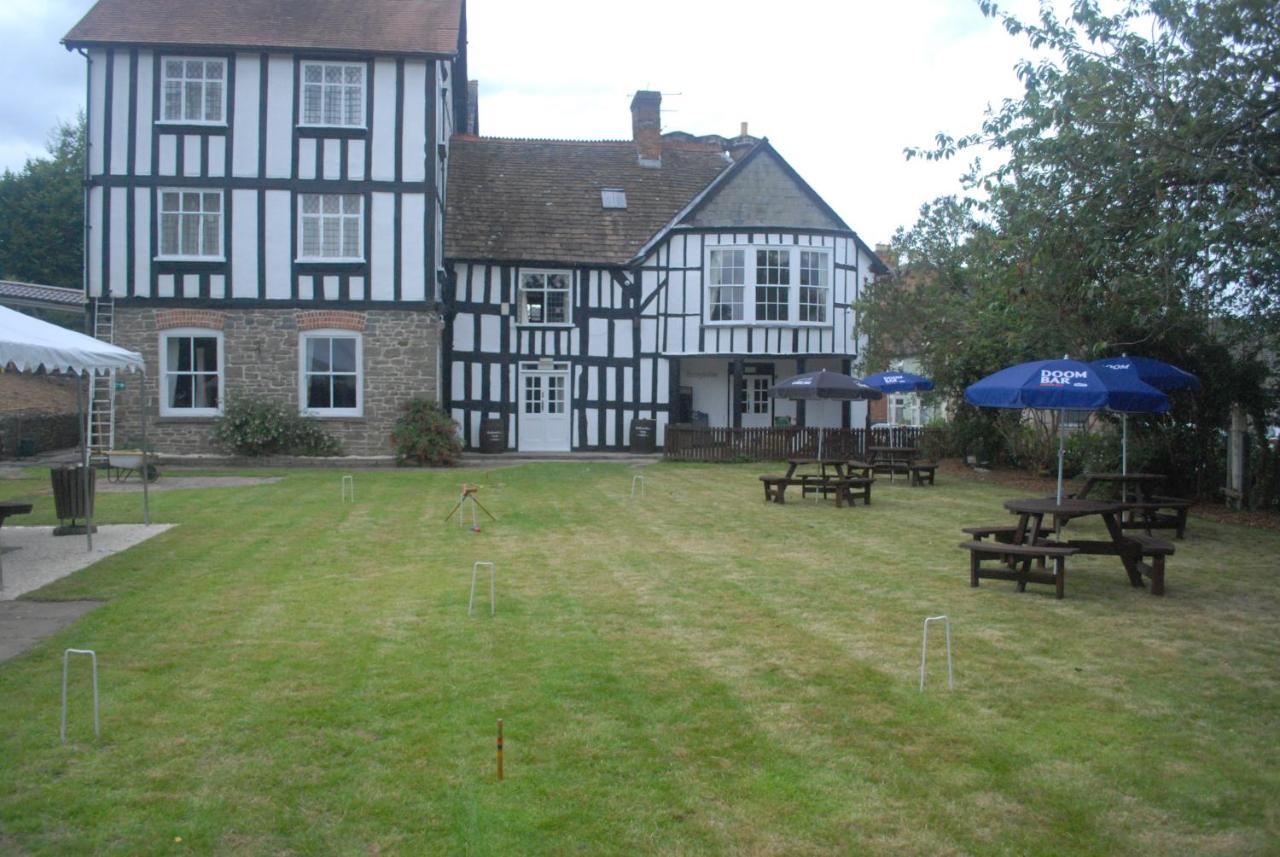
{"points": [[544, 408], [755, 404]]}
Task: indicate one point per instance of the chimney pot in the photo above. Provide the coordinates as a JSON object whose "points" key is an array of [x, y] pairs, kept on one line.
{"points": [[646, 126], [744, 130]]}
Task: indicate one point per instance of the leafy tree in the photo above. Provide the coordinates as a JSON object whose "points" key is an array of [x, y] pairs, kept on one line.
{"points": [[42, 213], [1133, 209]]}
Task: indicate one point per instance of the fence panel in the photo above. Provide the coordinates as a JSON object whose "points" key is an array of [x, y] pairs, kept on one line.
{"points": [[705, 443]]}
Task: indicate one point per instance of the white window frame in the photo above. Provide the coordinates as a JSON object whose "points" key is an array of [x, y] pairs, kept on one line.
{"points": [[221, 121], [302, 93], [160, 215], [522, 309], [167, 410], [330, 413], [750, 285], [715, 300], [302, 218]]}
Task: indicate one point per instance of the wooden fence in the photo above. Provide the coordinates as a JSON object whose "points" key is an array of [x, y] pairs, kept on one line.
{"points": [[701, 443]]}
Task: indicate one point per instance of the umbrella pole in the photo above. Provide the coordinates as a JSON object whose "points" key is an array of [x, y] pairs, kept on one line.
{"points": [[1062, 449], [1124, 445], [146, 499]]}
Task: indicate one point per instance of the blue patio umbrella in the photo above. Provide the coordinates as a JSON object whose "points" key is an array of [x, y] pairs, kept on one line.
{"points": [[895, 382], [1163, 376], [898, 382], [1065, 385]]}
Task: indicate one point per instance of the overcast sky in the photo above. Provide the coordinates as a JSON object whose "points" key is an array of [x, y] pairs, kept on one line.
{"points": [[838, 86]]}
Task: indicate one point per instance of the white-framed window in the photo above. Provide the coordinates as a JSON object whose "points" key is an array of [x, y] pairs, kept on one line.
{"points": [[815, 287], [193, 90], [190, 224], [726, 276], [332, 93], [544, 297], [773, 285], [782, 285], [331, 227], [755, 394], [191, 373], [331, 373]]}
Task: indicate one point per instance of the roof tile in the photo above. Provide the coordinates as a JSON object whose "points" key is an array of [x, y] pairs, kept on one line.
{"points": [[539, 200], [378, 26]]}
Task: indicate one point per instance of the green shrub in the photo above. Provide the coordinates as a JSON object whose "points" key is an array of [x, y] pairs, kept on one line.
{"points": [[253, 427], [425, 434]]}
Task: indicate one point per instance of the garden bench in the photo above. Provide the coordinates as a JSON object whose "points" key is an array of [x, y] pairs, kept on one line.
{"points": [[775, 487], [1015, 561]]}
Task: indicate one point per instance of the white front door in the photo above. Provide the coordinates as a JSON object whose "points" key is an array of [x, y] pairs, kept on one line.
{"points": [[755, 404], [544, 408]]}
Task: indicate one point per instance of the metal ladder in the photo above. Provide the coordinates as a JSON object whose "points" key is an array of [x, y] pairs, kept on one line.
{"points": [[102, 387]]}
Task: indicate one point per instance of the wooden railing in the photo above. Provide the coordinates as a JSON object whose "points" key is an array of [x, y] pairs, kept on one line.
{"points": [[702, 443]]}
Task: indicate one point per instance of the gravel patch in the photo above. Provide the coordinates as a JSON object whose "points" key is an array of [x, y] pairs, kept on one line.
{"points": [[180, 483], [34, 557]]}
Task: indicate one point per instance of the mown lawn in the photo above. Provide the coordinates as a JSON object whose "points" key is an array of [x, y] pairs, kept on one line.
{"points": [[697, 672]]}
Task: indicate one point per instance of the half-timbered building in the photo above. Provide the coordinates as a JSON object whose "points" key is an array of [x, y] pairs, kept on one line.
{"points": [[667, 278], [265, 204]]}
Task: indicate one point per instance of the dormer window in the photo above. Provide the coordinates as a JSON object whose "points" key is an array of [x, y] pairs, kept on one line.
{"points": [[613, 197], [775, 285]]}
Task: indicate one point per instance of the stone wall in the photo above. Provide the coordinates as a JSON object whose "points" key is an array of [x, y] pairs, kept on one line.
{"points": [[44, 432], [401, 349]]}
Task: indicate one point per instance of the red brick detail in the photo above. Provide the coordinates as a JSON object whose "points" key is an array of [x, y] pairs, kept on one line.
{"points": [[335, 319], [167, 319]]}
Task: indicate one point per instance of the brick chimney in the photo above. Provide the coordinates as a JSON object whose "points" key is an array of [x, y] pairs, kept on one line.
{"points": [[646, 128], [473, 107]]}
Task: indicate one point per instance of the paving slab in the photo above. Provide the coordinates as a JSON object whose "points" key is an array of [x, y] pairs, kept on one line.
{"points": [[34, 557]]}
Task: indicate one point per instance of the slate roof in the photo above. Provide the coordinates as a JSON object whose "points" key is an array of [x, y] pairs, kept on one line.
{"points": [[539, 200], [30, 293], [375, 26]]}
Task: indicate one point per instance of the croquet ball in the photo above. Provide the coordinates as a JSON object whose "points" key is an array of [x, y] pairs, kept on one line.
{"points": [[475, 529]]}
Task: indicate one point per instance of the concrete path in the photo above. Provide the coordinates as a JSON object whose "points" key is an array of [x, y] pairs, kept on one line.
{"points": [[33, 556], [25, 623]]}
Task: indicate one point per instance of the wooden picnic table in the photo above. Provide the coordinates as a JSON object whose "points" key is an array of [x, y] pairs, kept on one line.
{"points": [[8, 509], [1144, 509], [1031, 513], [834, 476], [892, 459]]}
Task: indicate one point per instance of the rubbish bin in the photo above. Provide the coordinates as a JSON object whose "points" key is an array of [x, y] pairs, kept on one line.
{"points": [[644, 436], [69, 497], [493, 436]]}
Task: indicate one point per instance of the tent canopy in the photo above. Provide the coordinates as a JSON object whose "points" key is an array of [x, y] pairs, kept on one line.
{"points": [[30, 344]]}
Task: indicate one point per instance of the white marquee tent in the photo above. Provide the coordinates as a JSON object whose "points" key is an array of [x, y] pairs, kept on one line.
{"points": [[29, 344]]}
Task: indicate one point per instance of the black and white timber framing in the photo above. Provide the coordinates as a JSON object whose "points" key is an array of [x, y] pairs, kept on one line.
{"points": [[632, 331], [260, 160]]}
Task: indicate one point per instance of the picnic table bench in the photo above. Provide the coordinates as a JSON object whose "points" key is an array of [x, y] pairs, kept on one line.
{"points": [[845, 489], [1144, 508], [1015, 560], [1017, 546], [845, 480]]}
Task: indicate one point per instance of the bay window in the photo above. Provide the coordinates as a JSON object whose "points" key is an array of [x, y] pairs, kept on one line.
{"points": [[785, 285]]}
